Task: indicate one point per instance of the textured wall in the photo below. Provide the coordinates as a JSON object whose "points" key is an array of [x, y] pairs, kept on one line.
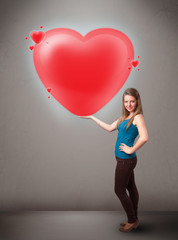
{"points": [[52, 160]]}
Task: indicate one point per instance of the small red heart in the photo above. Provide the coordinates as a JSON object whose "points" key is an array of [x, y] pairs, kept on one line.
{"points": [[49, 90], [31, 47], [37, 37], [135, 63]]}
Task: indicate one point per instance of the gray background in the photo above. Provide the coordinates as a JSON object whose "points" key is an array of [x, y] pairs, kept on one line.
{"points": [[51, 159]]}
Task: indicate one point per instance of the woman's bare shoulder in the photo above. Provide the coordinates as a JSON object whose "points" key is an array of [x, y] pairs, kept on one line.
{"points": [[139, 117]]}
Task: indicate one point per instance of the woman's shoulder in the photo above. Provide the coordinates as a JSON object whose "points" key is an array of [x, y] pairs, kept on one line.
{"points": [[138, 117]]}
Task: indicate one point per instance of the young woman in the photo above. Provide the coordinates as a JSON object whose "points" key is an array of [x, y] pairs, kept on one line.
{"points": [[129, 125]]}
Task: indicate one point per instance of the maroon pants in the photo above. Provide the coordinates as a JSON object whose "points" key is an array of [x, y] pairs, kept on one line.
{"points": [[124, 179]]}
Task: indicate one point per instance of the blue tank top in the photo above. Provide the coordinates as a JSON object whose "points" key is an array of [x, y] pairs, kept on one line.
{"points": [[126, 137]]}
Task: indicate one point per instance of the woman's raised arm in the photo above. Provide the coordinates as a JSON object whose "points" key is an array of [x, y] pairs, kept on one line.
{"points": [[107, 127]]}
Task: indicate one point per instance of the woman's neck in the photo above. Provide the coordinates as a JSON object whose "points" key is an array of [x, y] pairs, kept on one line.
{"points": [[130, 115]]}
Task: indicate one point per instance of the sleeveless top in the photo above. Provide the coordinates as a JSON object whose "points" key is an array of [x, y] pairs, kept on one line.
{"points": [[127, 137]]}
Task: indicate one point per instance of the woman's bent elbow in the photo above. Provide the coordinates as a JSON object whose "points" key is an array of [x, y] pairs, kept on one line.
{"points": [[110, 129]]}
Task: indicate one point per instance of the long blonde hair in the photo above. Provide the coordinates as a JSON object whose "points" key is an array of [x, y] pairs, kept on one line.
{"points": [[132, 92]]}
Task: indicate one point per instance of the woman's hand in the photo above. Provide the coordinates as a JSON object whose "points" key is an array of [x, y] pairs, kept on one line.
{"points": [[88, 117], [126, 149]]}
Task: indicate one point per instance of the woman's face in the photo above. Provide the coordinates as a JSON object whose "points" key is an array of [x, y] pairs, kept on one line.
{"points": [[130, 103]]}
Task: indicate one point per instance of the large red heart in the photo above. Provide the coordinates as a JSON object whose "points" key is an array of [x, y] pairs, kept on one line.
{"points": [[83, 73]]}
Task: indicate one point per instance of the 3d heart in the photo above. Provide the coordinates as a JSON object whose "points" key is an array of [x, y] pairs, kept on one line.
{"points": [[83, 73]]}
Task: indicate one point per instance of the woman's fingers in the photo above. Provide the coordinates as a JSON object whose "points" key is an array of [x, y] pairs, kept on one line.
{"points": [[84, 116], [122, 144]]}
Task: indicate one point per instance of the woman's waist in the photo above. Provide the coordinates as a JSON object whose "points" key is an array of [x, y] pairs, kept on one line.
{"points": [[123, 155], [128, 142], [126, 159]]}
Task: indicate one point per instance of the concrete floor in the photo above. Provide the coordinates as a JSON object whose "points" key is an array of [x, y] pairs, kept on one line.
{"points": [[85, 225]]}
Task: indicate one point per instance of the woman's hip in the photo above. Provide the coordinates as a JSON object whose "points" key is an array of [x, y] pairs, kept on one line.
{"points": [[126, 162]]}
